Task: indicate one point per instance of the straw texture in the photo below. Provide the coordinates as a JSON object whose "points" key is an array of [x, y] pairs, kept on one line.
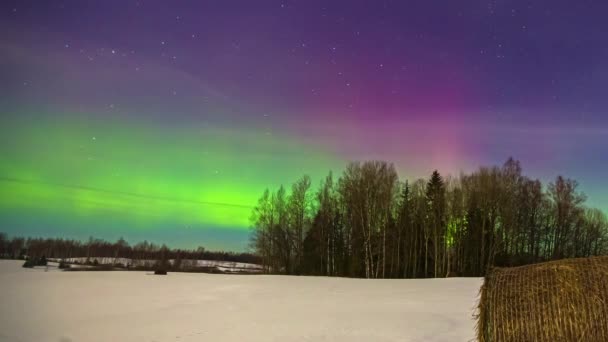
{"points": [[564, 300]]}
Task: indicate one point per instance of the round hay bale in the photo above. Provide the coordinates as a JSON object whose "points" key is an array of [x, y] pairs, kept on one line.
{"points": [[564, 300]]}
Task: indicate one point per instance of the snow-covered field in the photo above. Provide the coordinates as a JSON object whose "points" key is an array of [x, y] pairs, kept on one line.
{"points": [[57, 306]]}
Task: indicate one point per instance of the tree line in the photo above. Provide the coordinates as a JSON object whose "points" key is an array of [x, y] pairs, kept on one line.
{"points": [[20, 248], [368, 223]]}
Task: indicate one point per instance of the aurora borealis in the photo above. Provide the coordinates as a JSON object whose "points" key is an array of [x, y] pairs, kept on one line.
{"points": [[166, 120], [194, 178]]}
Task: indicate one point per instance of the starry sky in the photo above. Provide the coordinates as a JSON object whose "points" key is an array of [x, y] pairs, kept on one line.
{"points": [[165, 120]]}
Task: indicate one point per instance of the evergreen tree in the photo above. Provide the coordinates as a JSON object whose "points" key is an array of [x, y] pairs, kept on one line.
{"points": [[435, 195]]}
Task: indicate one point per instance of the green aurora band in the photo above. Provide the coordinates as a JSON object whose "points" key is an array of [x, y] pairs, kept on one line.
{"points": [[134, 177]]}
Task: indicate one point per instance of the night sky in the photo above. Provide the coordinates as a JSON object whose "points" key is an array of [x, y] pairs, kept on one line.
{"points": [[165, 120]]}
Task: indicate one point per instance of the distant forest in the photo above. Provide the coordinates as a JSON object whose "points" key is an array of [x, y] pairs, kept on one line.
{"points": [[369, 224], [20, 248]]}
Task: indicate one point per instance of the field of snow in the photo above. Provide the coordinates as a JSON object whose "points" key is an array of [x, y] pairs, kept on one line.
{"points": [[39, 306]]}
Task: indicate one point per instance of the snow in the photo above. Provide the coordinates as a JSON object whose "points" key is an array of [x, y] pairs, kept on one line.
{"points": [[58, 306]]}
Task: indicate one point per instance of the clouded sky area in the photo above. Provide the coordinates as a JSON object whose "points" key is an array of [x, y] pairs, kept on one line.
{"points": [[165, 120]]}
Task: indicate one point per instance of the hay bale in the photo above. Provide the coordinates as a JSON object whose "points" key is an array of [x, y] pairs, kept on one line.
{"points": [[564, 300]]}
